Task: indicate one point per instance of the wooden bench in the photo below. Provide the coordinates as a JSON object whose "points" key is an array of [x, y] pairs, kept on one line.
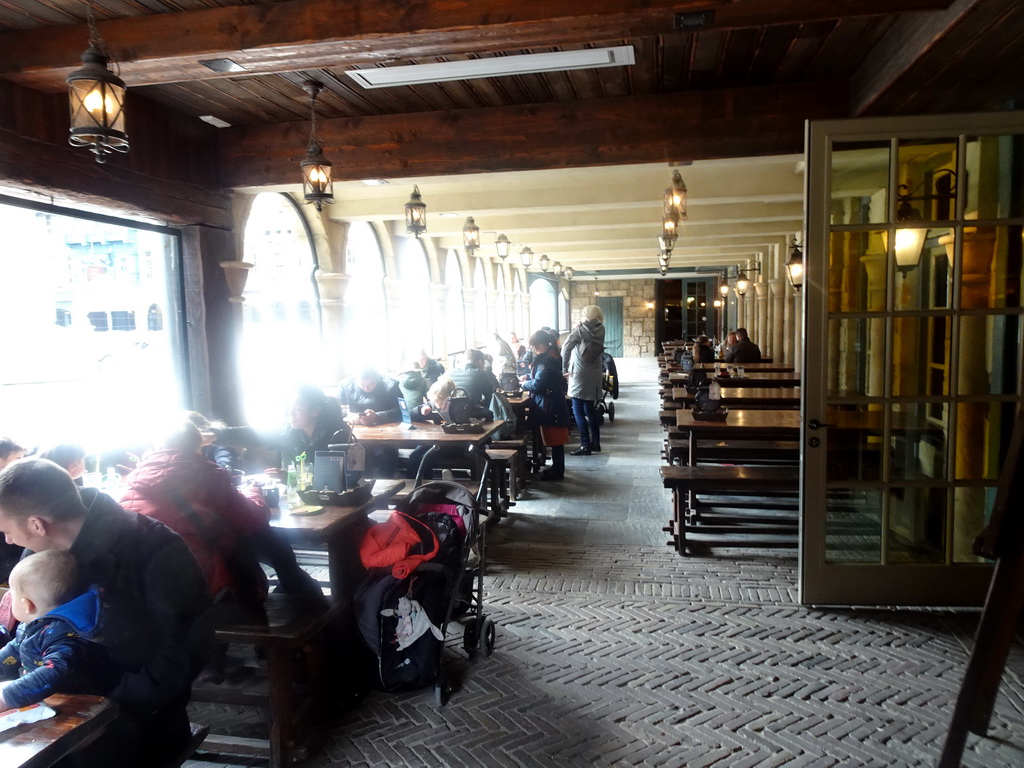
{"points": [[738, 451], [692, 524], [294, 628], [502, 464]]}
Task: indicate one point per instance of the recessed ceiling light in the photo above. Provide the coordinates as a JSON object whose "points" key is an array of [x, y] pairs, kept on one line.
{"points": [[222, 65], [375, 182], [216, 122], [494, 66]]}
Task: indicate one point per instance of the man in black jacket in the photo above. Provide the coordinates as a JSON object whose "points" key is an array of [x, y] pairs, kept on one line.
{"points": [[744, 350], [157, 620]]}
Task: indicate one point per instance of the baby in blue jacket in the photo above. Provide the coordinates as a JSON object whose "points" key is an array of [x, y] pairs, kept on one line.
{"points": [[57, 647]]}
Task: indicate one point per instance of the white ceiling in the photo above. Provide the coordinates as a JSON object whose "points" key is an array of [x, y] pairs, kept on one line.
{"points": [[603, 219]]}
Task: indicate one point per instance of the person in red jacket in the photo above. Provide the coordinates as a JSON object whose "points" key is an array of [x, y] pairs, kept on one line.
{"points": [[227, 528]]}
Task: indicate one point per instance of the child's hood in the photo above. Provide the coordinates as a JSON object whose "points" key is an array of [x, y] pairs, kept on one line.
{"points": [[83, 612]]}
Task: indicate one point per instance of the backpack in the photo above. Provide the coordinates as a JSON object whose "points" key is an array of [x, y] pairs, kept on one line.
{"points": [[460, 408], [501, 409]]}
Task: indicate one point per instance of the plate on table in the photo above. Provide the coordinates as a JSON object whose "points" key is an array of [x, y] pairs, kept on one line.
{"points": [[306, 510]]}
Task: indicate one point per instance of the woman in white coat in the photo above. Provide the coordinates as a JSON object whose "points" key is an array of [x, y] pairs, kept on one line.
{"points": [[581, 359]]}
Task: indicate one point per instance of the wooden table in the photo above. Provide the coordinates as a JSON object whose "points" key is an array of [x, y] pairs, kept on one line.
{"points": [[749, 425], [747, 397], [749, 367], [749, 379], [336, 527], [40, 745], [398, 436]]}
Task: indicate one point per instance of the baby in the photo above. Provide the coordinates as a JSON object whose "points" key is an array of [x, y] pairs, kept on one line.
{"points": [[56, 648]]}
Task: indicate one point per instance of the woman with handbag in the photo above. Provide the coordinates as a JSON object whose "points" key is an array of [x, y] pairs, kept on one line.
{"points": [[548, 411]]}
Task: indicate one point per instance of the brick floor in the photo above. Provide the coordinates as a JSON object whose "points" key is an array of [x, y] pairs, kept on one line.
{"points": [[614, 651]]}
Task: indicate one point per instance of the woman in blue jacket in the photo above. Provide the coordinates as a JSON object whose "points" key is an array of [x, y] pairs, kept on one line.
{"points": [[548, 411]]}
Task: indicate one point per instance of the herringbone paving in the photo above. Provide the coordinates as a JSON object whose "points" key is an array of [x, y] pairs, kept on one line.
{"points": [[614, 651]]}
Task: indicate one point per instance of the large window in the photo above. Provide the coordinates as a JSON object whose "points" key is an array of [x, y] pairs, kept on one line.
{"points": [[366, 315], [520, 323], [412, 332], [543, 305], [455, 306], [92, 345], [280, 310]]}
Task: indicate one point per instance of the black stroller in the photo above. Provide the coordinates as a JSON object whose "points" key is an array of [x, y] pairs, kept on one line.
{"points": [[403, 610], [609, 387]]}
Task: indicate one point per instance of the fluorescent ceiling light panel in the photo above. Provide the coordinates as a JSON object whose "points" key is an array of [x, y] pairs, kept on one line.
{"points": [[495, 66]]}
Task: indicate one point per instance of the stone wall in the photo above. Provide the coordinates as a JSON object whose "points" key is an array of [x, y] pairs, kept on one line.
{"points": [[637, 319]]}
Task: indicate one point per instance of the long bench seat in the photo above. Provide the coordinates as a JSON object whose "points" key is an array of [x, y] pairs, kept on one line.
{"points": [[687, 482]]}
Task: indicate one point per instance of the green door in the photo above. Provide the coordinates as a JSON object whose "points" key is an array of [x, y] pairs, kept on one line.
{"points": [[611, 306]]}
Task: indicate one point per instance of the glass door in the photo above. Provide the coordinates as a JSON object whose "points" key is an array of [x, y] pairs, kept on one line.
{"points": [[913, 361]]}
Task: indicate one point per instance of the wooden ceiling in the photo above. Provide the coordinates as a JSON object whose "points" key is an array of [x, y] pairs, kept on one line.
{"points": [[739, 83]]}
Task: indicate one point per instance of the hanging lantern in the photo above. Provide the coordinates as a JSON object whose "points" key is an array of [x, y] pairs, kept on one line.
{"points": [[415, 213], [526, 256], [545, 262], [504, 246], [569, 272], [724, 289], [471, 236], [317, 186], [556, 269], [669, 234], [96, 100], [663, 269], [675, 199]]}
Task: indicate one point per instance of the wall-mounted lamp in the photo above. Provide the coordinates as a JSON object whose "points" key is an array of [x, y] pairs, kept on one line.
{"points": [[471, 236], [415, 213], [649, 305], [743, 282], [909, 242], [503, 245], [317, 186], [724, 289], [544, 262], [795, 265], [597, 291], [556, 269], [569, 272], [96, 99], [525, 255]]}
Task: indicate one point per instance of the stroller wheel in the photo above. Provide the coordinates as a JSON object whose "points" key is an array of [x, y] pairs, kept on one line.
{"points": [[442, 689], [470, 637], [611, 411], [488, 634]]}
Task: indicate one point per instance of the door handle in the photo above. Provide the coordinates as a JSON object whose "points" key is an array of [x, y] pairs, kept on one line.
{"points": [[815, 424]]}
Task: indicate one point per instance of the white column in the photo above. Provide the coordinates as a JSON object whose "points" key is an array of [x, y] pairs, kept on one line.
{"points": [[776, 309], [439, 312]]}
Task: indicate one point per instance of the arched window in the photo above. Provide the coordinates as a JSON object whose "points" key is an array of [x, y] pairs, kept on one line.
{"points": [[280, 293], [520, 322], [366, 316], [455, 305], [543, 306], [500, 310], [480, 330], [412, 330]]}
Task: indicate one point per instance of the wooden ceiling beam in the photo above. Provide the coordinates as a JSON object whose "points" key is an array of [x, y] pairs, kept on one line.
{"points": [[892, 67], [308, 34], [740, 122]]}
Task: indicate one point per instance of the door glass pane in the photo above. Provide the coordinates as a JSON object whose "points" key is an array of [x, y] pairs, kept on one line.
{"points": [[971, 508], [920, 364], [917, 444], [927, 181], [856, 354], [995, 186], [982, 431], [854, 445], [856, 272], [860, 178], [989, 352], [928, 285], [991, 267], [853, 525], [916, 525]]}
